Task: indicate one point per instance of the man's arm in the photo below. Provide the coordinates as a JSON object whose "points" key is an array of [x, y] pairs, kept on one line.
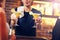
{"points": [[38, 20]]}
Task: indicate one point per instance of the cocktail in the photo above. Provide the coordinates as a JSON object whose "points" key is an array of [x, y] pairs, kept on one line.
{"points": [[17, 14], [35, 16]]}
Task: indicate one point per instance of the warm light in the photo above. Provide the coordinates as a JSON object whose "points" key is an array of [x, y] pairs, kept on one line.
{"points": [[55, 5], [48, 9], [49, 21]]}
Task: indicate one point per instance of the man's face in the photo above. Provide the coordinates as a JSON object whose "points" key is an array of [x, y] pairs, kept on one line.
{"points": [[27, 2]]}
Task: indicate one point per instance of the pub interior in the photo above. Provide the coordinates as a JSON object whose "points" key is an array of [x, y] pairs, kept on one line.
{"points": [[50, 10]]}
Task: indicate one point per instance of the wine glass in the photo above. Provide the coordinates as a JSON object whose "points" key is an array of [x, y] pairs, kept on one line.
{"points": [[17, 14], [35, 16]]}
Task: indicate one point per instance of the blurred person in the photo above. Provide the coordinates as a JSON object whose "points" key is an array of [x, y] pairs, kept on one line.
{"points": [[26, 21], [3, 28], [56, 30]]}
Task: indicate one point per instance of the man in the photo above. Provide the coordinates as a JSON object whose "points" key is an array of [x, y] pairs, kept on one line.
{"points": [[26, 21]]}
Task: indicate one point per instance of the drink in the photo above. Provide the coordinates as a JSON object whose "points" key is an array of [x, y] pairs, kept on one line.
{"points": [[17, 14], [35, 15]]}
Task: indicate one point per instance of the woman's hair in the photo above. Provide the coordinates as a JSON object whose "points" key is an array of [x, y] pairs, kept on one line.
{"points": [[1, 2]]}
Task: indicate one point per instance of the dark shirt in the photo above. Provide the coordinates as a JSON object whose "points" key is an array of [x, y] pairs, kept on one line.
{"points": [[26, 24]]}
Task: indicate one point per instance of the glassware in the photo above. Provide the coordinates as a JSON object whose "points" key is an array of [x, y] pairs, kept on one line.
{"points": [[17, 16], [35, 15]]}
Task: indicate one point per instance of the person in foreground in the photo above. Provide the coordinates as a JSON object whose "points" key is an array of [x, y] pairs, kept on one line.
{"points": [[56, 30], [3, 28]]}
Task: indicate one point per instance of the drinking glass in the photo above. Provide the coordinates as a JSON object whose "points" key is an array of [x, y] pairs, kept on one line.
{"points": [[17, 16], [35, 16]]}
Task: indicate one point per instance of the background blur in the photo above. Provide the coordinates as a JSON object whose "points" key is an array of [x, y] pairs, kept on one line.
{"points": [[49, 8]]}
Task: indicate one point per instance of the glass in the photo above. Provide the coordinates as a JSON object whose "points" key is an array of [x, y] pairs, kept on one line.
{"points": [[35, 15], [17, 16]]}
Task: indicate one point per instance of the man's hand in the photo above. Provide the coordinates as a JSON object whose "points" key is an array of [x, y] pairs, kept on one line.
{"points": [[38, 20]]}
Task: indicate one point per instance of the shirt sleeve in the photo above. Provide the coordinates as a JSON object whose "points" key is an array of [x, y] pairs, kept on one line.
{"points": [[21, 10], [36, 11]]}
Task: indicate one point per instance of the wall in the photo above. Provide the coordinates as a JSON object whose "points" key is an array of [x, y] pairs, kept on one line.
{"points": [[8, 6]]}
